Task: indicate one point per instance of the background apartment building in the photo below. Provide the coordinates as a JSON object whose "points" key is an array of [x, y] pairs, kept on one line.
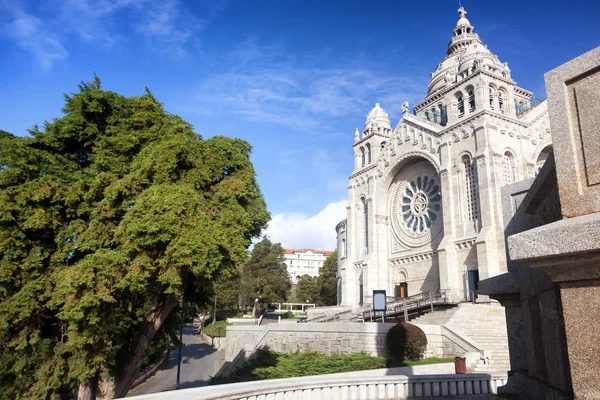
{"points": [[304, 262]]}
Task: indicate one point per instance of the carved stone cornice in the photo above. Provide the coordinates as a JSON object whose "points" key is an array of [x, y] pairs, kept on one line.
{"points": [[464, 244], [341, 225], [410, 259], [359, 265], [363, 170]]}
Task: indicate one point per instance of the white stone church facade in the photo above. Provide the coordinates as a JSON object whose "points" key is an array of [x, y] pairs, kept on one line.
{"points": [[424, 209]]}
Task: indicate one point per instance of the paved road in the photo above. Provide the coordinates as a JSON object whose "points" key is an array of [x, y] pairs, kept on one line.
{"points": [[199, 362], [270, 318]]}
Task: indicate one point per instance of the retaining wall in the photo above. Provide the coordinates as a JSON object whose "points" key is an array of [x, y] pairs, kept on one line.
{"points": [[328, 338]]}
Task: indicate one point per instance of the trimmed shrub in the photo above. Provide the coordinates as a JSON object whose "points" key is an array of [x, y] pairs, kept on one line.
{"points": [[406, 342], [267, 364]]}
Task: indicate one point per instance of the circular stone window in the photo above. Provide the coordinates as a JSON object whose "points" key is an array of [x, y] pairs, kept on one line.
{"points": [[416, 206], [420, 204]]}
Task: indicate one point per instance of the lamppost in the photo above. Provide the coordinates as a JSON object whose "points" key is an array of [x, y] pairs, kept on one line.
{"points": [[180, 342], [213, 323], [256, 311]]}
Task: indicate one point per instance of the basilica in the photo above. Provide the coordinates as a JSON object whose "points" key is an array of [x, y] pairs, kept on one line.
{"points": [[424, 211]]}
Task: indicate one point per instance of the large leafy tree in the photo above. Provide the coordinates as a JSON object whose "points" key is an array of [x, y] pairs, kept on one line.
{"points": [[109, 217], [227, 291], [264, 275], [307, 290], [327, 280]]}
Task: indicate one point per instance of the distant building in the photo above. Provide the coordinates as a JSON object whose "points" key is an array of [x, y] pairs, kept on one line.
{"points": [[304, 262]]}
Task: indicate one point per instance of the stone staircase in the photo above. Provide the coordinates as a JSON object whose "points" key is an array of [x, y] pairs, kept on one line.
{"points": [[484, 324]]}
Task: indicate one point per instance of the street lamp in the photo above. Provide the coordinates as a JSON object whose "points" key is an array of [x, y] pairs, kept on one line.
{"points": [[180, 342], [255, 311]]}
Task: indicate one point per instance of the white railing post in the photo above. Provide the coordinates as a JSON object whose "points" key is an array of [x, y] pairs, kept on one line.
{"points": [[431, 300]]}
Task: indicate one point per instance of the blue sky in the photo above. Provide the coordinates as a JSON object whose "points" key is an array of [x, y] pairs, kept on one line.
{"points": [[294, 78]]}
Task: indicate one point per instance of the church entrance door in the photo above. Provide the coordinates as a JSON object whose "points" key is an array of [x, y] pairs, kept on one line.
{"points": [[472, 285], [401, 290]]}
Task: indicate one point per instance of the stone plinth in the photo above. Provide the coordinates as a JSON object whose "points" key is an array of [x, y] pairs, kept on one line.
{"points": [[574, 105], [568, 252]]}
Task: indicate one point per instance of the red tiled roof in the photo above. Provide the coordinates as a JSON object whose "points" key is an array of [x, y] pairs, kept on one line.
{"points": [[292, 251]]}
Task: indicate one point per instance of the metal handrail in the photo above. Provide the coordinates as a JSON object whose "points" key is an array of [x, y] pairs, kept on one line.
{"points": [[411, 302], [521, 109], [334, 317]]}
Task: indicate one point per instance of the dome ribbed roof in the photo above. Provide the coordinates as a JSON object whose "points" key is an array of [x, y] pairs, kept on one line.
{"points": [[465, 50], [378, 117], [462, 22]]}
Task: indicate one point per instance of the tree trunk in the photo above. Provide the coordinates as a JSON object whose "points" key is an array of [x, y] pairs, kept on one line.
{"points": [[109, 388], [85, 391]]}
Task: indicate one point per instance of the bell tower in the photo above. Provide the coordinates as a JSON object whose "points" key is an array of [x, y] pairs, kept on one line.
{"points": [[367, 147]]}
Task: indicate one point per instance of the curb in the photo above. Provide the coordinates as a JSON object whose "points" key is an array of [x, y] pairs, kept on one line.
{"points": [[151, 371]]}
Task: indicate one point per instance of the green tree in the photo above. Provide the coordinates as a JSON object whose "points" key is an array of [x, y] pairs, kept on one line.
{"points": [[307, 290], [109, 217], [227, 291], [327, 280], [264, 275]]}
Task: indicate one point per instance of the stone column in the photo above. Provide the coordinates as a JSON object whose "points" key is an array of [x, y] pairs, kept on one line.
{"points": [[480, 93], [505, 289], [448, 267]]}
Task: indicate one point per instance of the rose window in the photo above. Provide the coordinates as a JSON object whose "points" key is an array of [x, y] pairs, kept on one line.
{"points": [[420, 204]]}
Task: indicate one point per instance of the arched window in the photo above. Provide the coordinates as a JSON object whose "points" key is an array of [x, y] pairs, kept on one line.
{"points": [[366, 225], [435, 115], [368, 153], [382, 146], [443, 115], [491, 99], [508, 175], [427, 115], [471, 192], [471, 94], [500, 102], [362, 155], [343, 248], [461, 105]]}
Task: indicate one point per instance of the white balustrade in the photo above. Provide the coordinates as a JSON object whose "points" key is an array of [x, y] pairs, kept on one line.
{"points": [[336, 387]]}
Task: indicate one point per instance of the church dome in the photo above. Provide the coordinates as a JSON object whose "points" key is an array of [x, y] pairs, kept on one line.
{"points": [[377, 117], [463, 21], [465, 51], [476, 54]]}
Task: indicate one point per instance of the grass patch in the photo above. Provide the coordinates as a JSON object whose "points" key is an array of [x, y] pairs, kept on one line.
{"points": [[266, 364], [426, 361], [219, 330], [291, 315], [393, 364]]}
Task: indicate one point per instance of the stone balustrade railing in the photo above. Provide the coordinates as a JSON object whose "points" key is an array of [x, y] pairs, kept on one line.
{"points": [[334, 387]]}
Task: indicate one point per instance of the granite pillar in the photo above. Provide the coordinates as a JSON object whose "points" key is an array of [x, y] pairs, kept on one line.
{"points": [[553, 243]]}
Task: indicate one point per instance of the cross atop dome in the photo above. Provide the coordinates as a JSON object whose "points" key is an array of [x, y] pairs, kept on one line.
{"points": [[463, 21]]}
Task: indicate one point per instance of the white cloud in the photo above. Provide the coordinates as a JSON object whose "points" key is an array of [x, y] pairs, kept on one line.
{"points": [[30, 34], [267, 84], [297, 231], [168, 25]]}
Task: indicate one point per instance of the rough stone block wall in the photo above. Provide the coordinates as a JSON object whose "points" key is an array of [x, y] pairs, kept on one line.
{"points": [[327, 338]]}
